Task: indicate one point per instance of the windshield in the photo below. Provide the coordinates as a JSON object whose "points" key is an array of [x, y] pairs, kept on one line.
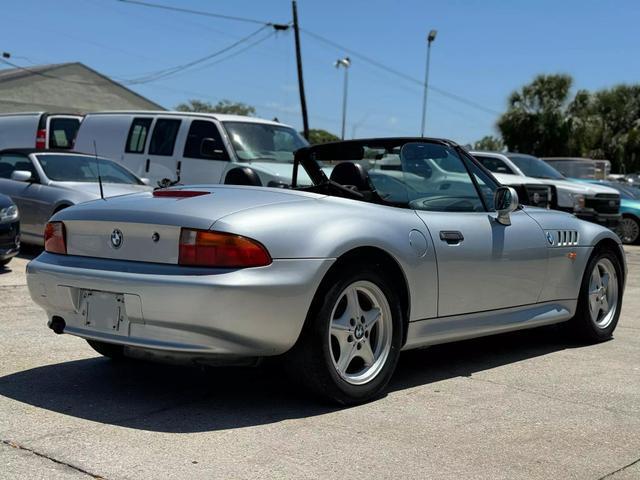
{"points": [[534, 167], [264, 142], [83, 168], [418, 175]]}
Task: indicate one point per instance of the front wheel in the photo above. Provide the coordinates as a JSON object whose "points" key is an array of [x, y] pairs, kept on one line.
{"points": [[600, 298], [351, 341]]}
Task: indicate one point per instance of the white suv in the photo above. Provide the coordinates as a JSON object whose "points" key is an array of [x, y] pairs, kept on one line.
{"points": [[590, 202], [194, 147]]}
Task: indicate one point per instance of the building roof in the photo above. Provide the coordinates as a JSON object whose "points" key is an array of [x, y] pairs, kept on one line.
{"points": [[70, 87]]}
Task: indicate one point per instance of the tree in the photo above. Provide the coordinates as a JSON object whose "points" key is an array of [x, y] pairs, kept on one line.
{"points": [[489, 143], [536, 120], [223, 106], [542, 120], [607, 125], [321, 136]]}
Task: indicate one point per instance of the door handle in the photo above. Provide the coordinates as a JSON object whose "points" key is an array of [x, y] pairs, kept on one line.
{"points": [[452, 237], [146, 166]]}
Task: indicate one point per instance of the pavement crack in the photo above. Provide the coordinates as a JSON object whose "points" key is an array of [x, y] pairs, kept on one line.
{"points": [[621, 469], [17, 446]]}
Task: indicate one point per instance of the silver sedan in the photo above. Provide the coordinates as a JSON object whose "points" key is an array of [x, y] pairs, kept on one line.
{"points": [[43, 183], [383, 256]]}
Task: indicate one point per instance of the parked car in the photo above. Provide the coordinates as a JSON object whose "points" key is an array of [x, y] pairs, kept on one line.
{"points": [[339, 276], [530, 191], [586, 168], [634, 179], [595, 203], [9, 230], [40, 130], [43, 183], [194, 147], [629, 229]]}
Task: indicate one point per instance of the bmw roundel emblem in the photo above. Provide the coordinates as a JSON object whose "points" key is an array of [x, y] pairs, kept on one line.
{"points": [[116, 238], [550, 238]]}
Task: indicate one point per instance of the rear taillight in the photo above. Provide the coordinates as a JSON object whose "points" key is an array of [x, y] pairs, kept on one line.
{"points": [[41, 139], [203, 248], [55, 238]]}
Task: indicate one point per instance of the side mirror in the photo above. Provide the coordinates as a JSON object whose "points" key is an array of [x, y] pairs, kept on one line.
{"points": [[145, 180], [505, 201], [212, 149], [21, 176]]}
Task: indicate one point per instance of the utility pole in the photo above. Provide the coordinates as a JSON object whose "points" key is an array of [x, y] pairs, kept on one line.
{"points": [[430, 38], [303, 100], [346, 63]]}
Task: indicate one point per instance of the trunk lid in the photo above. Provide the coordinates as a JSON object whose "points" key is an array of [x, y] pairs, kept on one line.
{"points": [[145, 228]]}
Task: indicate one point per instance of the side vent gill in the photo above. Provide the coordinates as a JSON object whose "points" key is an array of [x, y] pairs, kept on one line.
{"points": [[565, 238]]}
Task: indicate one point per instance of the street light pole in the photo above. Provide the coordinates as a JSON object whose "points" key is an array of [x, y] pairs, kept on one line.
{"points": [[346, 63], [430, 38]]}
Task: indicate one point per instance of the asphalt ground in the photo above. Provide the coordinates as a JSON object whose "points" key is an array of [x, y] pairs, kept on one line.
{"points": [[526, 405]]}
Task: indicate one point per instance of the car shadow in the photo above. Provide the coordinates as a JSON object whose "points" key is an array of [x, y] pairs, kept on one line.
{"points": [[166, 398], [29, 252]]}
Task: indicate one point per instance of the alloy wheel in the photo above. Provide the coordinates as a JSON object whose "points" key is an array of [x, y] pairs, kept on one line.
{"points": [[603, 293], [629, 230], [360, 332]]}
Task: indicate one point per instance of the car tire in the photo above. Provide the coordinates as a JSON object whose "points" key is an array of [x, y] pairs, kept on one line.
{"points": [[600, 298], [110, 350], [345, 359], [630, 230]]}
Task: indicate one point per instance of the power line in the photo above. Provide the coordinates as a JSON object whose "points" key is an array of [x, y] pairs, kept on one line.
{"points": [[179, 68], [237, 52], [153, 76], [398, 73], [197, 12]]}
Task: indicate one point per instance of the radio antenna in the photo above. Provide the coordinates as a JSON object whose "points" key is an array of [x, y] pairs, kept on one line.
{"points": [[95, 151]]}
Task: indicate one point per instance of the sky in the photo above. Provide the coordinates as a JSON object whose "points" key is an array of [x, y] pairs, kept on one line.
{"points": [[483, 51]]}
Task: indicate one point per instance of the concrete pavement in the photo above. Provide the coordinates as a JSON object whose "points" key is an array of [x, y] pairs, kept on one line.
{"points": [[524, 405]]}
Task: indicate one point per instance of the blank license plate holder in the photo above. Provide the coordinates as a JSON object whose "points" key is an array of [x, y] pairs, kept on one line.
{"points": [[104, 312]]}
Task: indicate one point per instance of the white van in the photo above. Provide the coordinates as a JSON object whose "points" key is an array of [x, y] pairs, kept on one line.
{"points": [[193, 147], [41, 130]]}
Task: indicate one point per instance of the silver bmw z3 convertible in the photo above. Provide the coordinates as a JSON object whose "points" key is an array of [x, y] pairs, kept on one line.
{"points": [[409, 242]]}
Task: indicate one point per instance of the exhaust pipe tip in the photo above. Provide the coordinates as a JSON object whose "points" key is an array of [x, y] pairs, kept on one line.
{"points": [[57, 324]]}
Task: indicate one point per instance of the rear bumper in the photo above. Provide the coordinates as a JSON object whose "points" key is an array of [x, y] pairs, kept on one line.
{"points": [[226, 313]]}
